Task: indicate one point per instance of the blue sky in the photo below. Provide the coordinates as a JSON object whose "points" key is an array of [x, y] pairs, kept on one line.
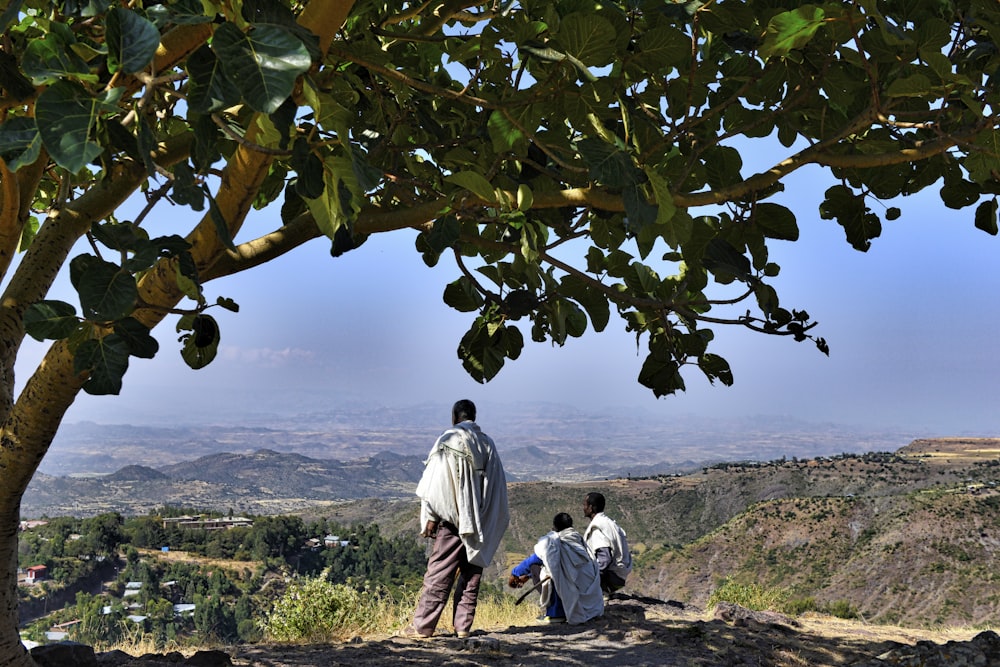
{"points": [[911, 326]]}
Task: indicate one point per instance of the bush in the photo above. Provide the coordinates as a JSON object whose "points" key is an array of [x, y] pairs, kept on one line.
{"points": [[799, 606], [842, 609], [315, 610], [751, 596]]}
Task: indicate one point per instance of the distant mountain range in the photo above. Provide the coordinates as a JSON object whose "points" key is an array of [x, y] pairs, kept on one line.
{"points": [[289, 463], [536, 441], [260, 482]]}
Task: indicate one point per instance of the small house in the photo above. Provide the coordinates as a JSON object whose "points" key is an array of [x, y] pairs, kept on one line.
{"points": [[36, 573]]}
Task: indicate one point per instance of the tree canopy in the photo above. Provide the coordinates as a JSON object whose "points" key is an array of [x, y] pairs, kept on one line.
{"points": [[574, 159]]}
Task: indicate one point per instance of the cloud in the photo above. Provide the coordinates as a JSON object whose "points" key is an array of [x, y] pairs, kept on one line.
{"points": [[266, 357]]}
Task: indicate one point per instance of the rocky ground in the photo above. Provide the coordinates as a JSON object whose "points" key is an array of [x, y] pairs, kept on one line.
{"points": [[636, 632]]}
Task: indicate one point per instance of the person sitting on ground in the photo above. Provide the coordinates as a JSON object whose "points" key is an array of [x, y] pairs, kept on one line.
{"points": [[567, 572], [608, 542]]}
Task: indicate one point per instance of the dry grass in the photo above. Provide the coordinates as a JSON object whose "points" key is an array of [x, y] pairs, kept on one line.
{"points": [[830, 626], [174, 556]]}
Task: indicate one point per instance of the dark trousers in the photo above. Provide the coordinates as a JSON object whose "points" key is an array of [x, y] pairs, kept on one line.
{"points": [[610, 582], [448, 559]]}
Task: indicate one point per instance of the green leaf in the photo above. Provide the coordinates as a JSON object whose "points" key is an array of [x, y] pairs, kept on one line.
{"points": [[591, 298], [264, 64], [132, 41], [186, 276], [639, 213], [228, 304], [791, 30], [106, 359], [587, 37], [608, 165], [463, 296], [200, 346], [50, 58], [660, 372], [65, 114], [776, 222], [10, 14], [209, 87], [565, 319], [716, 368], [663, 47], [504, 135], [665, 208], [915, 85], [986, 217], [340, 202], [117, 236], [984, 161], [525, 198], [444, 234], [725, 261], [482, 352], [51, 320], [475, 183], [722, 166], [184, 12], [107, 292], [20, 142], [219, 220], [859, 224], [136, 337]]}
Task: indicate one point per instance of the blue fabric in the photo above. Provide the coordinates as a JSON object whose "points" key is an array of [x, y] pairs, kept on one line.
{"points": [[523, 569]]}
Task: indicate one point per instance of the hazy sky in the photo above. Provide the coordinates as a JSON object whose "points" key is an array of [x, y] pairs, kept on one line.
{"points": [[911, 326]]}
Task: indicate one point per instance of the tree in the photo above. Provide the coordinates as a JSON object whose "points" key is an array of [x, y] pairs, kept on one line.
{"points": [[572, 158]]}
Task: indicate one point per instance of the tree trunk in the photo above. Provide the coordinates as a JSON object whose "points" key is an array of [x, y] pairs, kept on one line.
{"points": [[12, 651], [30, 423], [24, 441]]}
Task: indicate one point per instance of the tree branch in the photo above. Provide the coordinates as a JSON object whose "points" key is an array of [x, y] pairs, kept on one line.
{"points": [[265, 248], [10, 216], [409, 81]]}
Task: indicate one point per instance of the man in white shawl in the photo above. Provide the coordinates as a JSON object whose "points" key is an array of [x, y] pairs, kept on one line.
{"points": [[568, 573], [463, 494], [608, 542]]}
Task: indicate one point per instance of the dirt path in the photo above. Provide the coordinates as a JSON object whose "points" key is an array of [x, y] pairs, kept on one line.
{"points": [[640, 633]]}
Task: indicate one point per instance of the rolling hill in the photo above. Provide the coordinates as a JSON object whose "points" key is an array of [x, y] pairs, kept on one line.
{"points": [[909, 537]]}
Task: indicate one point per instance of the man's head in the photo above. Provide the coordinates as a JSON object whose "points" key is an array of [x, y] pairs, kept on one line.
{"points": [[593, 504], [463, 410], [562, 521]]}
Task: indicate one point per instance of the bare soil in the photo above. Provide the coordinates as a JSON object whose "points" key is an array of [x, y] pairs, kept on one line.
{"points": [[635, 632]]}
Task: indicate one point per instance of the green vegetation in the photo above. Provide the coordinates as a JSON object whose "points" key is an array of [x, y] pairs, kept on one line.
{"points": [[316, 610], [219, 585], [751, 596]]}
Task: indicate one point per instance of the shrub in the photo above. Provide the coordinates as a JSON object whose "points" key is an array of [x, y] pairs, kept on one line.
{"points": [[842, 609], [314, 609], [799, 606], [751, 596]]}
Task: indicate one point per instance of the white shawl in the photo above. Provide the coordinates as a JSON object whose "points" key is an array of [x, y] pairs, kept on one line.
{"points": [[464, 484], [574, 573], [604, 532]]}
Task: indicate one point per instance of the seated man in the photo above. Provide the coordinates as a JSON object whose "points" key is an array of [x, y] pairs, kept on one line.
{"points": [[570, 578], [608, 542]]}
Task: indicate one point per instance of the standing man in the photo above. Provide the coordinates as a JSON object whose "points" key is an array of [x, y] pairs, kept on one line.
{"points": [[463, 508], [608, 542]]}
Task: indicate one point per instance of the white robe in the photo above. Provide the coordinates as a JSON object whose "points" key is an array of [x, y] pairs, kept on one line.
{"points": [[574, 574], [464, 484], [604, 532]]}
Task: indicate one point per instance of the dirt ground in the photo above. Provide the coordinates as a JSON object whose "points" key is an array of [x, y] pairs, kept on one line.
{"points": [[637, 632]]}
